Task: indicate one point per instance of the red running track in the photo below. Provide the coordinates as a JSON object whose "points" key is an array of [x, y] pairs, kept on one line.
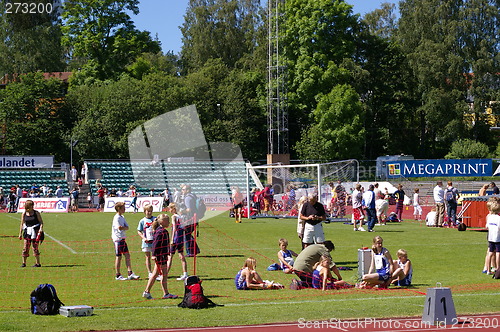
{"points": [[485, 322]]}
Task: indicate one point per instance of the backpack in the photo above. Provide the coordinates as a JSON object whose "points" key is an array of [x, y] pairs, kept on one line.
{"points": [[496, 275], [462, 227], [44, 300], [200, 206], [193, 295], [449, 196]]}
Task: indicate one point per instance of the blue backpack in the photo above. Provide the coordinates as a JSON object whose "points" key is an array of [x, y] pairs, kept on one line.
{"points": [[449, 195], [200, 206], [44, 300]]}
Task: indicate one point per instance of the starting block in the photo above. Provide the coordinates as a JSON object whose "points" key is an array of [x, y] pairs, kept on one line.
{"points": [[439, 308]]}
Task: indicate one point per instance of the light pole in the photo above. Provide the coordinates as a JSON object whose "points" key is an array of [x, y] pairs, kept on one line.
{"points": [[72, 144]]}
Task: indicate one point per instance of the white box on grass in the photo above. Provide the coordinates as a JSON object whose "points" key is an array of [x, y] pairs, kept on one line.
{"points": [[364, 261], [76, 311]]}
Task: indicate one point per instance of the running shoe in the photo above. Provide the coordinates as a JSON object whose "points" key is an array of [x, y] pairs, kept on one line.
{"points": [[169, 296]]}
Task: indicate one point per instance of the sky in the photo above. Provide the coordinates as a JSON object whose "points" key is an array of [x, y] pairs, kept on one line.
{"points": [[164, 17]]}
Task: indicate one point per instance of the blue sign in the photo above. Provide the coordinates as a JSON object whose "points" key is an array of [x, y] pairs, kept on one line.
{"points": [[439, 167]]}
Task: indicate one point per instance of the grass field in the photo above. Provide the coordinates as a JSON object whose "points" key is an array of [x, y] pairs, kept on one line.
{"points": [[77, 258]]}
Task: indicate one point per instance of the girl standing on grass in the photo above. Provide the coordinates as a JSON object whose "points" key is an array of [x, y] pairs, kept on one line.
{"points": [[177, 243], [31, 230], [381, 267], [161, 255]]}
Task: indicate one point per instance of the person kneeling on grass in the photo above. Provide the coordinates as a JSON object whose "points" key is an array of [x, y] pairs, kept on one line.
{"points": [[248, 278], [381, 267], [403, 270], [322, 276]]}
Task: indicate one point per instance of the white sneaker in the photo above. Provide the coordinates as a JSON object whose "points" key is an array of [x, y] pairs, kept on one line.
{"points": [[183, 277], [362, 229], [355, 229], [120, 277], [147, 295], [159, 278], [133, 277]]}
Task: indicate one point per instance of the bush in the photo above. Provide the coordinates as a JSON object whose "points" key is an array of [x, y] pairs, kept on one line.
{"points": [[467, 148]]}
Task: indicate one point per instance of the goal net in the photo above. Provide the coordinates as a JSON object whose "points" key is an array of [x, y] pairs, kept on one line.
{"points": [[286, 184]]}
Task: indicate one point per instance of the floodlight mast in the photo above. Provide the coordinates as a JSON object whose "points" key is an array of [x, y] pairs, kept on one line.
{"points": [[276, 84]]}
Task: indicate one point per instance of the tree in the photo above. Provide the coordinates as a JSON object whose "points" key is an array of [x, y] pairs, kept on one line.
{"points": [[148, 63], [430, 34], [100, 34], [478, 38], [108, 111], [382, 22], [34, 119], [318, 37], [228, 102], [224, 29], [30, 42], [337, 132]]}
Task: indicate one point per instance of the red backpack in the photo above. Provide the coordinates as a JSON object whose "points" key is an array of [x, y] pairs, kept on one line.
{"points": [[194, 297]]}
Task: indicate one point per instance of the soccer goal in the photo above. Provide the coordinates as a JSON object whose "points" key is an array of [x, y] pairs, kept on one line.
{"points": [[288, 183]]}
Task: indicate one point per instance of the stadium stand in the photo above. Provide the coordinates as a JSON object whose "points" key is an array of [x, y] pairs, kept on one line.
{"points": [[205, 177], [26, 178]]}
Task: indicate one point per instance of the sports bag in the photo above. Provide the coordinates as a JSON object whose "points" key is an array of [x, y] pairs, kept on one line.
{"points": [[200, 206], [449, 195], [193, 295], [44, 300]]}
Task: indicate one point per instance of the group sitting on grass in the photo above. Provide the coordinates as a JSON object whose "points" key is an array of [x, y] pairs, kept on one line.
{"points": [[315, 269], [384, 271]]}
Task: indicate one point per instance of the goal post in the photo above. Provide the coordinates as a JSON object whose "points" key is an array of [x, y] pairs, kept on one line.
{"points": [[290, 182]]}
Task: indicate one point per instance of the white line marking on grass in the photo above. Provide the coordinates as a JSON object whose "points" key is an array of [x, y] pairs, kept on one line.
{"points": [[52, 238], [307, 301], [62, 244]]}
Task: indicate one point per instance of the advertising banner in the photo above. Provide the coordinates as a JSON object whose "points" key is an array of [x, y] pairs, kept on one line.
{"points": [[156, 202], [54, 204], [211, 201], [439, 168], [26, 161]]}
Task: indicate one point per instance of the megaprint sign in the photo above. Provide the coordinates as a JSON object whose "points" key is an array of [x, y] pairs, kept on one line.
{"points": [[440, 168]]}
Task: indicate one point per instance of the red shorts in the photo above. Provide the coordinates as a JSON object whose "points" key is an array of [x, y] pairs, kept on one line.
{"points": [[358, 214]]}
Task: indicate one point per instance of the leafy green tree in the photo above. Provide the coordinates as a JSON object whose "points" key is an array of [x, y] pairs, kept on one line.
{"points": [[225, 29], [436, 39], [108, 111], [386, 86], [228, 101], [338, 129], [100, 34], [30, 42], [33, 117], [382, 22], [148, 63], [478, 38], [468, 148], [318, 36]]}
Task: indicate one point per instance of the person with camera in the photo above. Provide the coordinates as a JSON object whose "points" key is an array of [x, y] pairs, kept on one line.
{"points": [[313, 214]]}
